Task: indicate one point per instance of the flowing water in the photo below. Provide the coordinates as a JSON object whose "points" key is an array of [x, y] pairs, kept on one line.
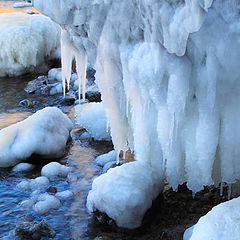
{"points": [[70, 221]]}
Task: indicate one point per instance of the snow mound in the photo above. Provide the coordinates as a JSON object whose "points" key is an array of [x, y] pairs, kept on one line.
{"points": [[221, 223], [107, 157], [26, 41], [125, 193], [55, 169], [92, 117], [44, 133], [46, 203], [23, 167]]}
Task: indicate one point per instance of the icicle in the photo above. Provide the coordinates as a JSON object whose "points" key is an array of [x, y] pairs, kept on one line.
{"points": [[221, 189], [117, 160], [193, 194], [66, 59], [81, 67]]}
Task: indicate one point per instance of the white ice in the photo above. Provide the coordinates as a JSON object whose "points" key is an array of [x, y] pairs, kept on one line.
{"points": [[37, 183], [44, 133], [123, 190], [168, 72], [26, 42], [23, 167], [91, 116], [221, 223], [55, 170]]}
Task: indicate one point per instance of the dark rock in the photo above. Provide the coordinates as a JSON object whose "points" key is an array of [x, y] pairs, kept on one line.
{"points": [[34, 230], [93, 96], [52, 190], [68, 101]]}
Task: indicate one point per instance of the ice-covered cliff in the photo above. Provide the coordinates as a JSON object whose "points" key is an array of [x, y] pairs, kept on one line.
{"points": [[169, 73]]}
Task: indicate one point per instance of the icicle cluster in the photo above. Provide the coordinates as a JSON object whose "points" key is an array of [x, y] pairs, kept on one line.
{"points": [[169, 75], [68, 50]]}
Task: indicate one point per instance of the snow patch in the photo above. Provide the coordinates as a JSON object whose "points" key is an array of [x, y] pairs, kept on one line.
{"points": [[23, 167], [54, 170]]}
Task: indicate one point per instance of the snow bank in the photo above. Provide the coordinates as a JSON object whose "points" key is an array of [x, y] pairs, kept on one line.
{"points": [[221, 223], [92, 117], [55, 169], [126, 191], [26, 41], [44, 133], [23, 167]]}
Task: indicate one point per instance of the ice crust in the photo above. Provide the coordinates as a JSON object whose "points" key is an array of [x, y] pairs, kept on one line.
{"points": [[168, 72], [26, 41], [92, 117], [38, 134], [221, 223]]}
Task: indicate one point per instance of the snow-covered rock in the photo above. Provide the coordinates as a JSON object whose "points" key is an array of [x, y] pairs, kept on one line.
{"points": [[92, 117], [221, 223], [125, 193], [23, 167], [22, 4], [54, 170], [37, 183], [26, 41], [64, 194], [44, 133], [45, 203], [105, 158]]}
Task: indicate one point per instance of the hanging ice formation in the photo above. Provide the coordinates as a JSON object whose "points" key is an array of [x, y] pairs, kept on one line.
{"points": [[169, 73], [68, 50]]}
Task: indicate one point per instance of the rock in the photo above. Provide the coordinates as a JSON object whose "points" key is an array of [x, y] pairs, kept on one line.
{"points": [[52, 190], [68, 101], [91, 72], [27, 103], [93, 96], [36, 84], [33, 230]]}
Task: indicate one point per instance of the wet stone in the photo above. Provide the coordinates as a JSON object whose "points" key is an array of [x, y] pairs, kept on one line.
{"points": [[34, 230], [52, 190]]}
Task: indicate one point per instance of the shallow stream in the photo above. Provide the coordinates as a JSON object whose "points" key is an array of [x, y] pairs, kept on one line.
{"points": [[70, 221]]}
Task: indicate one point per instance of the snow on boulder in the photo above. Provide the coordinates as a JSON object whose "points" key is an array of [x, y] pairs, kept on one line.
{"points": [[44, 133], [92, 117], [64, 194], [125, 193], [107, 157], [23, 167], [26, 41], [54, 170], [221, 223], [22, 4], [37, 183], [46, 203]]}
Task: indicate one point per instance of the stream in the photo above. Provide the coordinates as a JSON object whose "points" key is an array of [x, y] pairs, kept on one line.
{"points": [[71, 220]]}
